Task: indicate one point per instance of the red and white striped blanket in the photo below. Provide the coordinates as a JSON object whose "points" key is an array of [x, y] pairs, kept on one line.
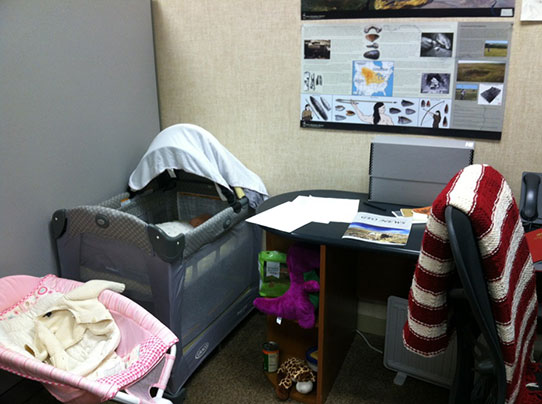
{"points": [[482, 193]]}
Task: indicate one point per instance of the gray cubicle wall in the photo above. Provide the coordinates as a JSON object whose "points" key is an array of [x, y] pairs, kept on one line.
{"points": [[78, 108]]}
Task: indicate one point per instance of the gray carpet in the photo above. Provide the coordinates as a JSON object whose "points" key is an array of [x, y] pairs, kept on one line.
{"points": [[234, 374]]}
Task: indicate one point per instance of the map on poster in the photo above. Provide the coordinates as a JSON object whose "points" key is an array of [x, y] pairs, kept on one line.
{"points": [[372, 78], [444, 78], [334, 9]]}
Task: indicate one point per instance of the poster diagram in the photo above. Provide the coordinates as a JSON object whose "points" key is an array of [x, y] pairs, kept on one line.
{"points": [[334, 9], [442, 79]]}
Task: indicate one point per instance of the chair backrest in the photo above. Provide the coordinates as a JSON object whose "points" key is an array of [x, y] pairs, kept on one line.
{"points": [[471, 275]]}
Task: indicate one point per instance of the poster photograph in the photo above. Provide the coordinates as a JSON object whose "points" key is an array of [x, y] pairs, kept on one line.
{"points": [[335, 9], [441, 79]]}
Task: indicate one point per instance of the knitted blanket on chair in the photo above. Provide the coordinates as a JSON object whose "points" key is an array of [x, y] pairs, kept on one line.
{"points": [[482, 193]]}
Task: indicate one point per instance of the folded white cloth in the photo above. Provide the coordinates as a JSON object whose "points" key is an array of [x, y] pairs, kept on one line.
{"points": [[192, 149]]}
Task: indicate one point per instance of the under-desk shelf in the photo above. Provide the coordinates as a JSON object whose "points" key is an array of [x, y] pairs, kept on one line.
{"points": [[335, 324], [292, 339], [293, 342], [342, 263]]}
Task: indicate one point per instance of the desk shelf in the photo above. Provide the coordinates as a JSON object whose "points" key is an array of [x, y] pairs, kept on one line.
{"points": [[348, 269], [336, 320], [283, 334]]}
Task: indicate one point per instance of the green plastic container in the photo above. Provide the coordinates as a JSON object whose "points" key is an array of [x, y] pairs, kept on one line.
{"points": [[274, 277]]}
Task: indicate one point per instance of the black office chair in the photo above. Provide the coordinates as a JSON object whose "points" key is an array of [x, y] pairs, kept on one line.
{"points": [[480, 374]]}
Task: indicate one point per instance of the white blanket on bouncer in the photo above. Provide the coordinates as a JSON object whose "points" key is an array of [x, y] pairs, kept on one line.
{"points": [[73, 332], [192, 149]]}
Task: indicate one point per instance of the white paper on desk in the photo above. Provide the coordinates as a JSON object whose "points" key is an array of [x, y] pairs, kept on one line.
{"points": [[285, 217], [418, 218], [325, 210]]}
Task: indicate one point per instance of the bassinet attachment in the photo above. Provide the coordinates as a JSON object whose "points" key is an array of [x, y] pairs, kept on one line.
{"points": [[199, 282], [143, 338]]}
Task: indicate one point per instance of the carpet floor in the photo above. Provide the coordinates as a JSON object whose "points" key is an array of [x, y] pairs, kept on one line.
{"points": [[234, 374]]}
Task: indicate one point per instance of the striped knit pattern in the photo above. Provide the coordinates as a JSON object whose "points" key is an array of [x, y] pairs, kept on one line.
{"points": [[482, 193]]}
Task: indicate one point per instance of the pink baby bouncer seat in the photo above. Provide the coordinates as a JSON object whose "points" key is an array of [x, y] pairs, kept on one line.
{"points": [[37, 313]]}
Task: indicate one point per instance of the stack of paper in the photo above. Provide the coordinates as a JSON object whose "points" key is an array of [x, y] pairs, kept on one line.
{"points": [[292, 215]]}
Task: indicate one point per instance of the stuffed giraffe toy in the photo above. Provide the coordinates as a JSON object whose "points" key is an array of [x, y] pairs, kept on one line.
{"points": [[294, 370]]}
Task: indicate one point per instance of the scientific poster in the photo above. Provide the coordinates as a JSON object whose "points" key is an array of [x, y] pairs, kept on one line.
{"points": [[334, 9], [442, 79]]}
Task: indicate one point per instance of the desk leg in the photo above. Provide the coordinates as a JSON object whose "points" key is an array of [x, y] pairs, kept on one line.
{"points": [[337, 315]]}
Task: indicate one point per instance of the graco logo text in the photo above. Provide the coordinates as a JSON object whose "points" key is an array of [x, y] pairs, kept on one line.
{"points": [[202, 350]]}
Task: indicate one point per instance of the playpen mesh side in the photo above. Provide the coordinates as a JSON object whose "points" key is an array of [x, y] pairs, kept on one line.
{"points": [[128, 222], [213, 259], [188, 295], [221, 222], [156, 207], [200, 297], [115, 201], [220, 281], [164, 206], [214, 277], [130, 229]]}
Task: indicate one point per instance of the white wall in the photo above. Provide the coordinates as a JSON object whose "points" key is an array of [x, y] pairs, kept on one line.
{"points": [[78, 108]]}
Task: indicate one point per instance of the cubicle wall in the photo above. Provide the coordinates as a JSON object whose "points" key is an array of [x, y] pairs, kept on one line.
{"points": [[78, 108]]}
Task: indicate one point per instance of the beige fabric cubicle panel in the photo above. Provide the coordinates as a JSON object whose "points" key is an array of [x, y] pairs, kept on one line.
{"points": [[234, 68]]}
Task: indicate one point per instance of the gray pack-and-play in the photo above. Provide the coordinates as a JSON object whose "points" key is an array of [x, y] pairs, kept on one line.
{"points": [[199, 281]]}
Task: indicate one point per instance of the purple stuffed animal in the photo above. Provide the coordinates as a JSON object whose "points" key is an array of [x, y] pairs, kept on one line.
{"points": [[295, 303]]}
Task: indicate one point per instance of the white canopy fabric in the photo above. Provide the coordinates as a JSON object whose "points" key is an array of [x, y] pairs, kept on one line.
{"points": [[193, 149]]}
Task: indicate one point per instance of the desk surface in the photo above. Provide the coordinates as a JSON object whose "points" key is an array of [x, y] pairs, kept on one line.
{"points": [[331, 234]]}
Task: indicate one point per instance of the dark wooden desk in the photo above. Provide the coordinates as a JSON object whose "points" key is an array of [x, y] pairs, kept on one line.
{"points": [[348, 269]]}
